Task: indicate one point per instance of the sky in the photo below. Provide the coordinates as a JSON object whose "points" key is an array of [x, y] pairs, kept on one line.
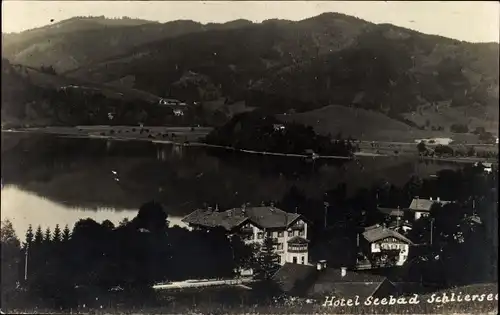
{"points": [[473, 21]]}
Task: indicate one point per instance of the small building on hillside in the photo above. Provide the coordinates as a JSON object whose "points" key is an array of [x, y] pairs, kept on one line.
{"points": [[384, 247], [422, 207], [320, 281], [178, 112], [279, 127], [253, 224]]}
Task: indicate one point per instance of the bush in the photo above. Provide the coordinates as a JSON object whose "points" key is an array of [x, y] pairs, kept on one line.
{"points": [[459, 128]]}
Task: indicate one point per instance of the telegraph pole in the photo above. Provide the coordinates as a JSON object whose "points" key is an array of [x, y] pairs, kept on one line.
{"points": [[326, 209], [26, 262], [432, 228]]}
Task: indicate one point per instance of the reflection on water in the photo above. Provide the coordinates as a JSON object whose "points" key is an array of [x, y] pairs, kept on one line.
{"points": [[51, 180], [23, 208]]}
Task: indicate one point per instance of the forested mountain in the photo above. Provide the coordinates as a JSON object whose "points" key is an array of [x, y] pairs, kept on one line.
{"points": [[276, 65]]}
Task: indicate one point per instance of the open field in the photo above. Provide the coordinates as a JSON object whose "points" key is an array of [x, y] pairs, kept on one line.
{"points": [[367, 125], [443, 115]]}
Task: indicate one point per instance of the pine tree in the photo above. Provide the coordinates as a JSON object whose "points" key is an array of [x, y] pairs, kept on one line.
{"points": [[66, 234], [268, 260], [56, 236], [38, 235], [29, 235], [47, 237]]}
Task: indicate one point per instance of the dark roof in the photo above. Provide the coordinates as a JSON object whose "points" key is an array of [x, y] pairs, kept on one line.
{"points": [[306, 280], [292, 278], [418, 204], [331, 282], [264, 217], [392, 211], [210, 218], [297, 240], [376, 232]]}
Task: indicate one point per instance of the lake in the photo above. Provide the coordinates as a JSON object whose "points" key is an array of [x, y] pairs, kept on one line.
{"points": [[49, 180]]}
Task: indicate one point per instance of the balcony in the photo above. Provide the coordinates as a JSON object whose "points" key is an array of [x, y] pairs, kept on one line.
{"points": [[297, 248], [298, 226], [246, 230]]}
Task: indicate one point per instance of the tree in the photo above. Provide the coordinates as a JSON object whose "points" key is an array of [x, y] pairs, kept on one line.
{"points": [[47, 237], [124, 222], [10, 257], [56, 237], [38, 235], [152, 217], [66, 234], [267, 260], [471, 151], [29, 235], [421, 147], [459, 128], [244, 255]]}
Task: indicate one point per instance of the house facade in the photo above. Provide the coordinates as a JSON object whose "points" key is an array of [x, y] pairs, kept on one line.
{"points": [[422, 207], [384, 247], [289, 231]]}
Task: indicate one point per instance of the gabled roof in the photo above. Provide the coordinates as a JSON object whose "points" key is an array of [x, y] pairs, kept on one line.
{"points": [[293, 278], [331, 282], [376, 233], [306, 280], [418, 204], [266, 217], [210, 218], [392, 211]]}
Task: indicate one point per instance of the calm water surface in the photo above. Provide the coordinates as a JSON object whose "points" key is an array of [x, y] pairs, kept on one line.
{"points": [[50, 180]]}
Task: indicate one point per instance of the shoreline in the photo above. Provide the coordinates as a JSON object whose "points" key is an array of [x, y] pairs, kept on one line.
{"points": [[188, 143]]}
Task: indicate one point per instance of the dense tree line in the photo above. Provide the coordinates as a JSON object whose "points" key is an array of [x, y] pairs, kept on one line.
{"points": [[130, 257], [255, 131]]}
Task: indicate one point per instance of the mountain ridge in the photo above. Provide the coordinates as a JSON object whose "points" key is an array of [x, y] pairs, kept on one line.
{"points": [[279, 66]]}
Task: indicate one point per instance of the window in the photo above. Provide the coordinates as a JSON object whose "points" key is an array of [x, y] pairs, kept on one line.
{"points": [[301, 232], [290, 233], [280, 246], [281, 234], [269, 234], [260, 235]]}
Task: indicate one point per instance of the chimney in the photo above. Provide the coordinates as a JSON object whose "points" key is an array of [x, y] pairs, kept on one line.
{"points": [[272, 205], [321, 265], [216, 207], [438, 199], [209, 208], [430, 198], [343, 272]]}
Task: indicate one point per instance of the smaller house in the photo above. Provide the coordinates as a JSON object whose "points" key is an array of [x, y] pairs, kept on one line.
{"points": [[384, 247], [170, 102], [279, 127], [422, 207], [319, 281]]}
